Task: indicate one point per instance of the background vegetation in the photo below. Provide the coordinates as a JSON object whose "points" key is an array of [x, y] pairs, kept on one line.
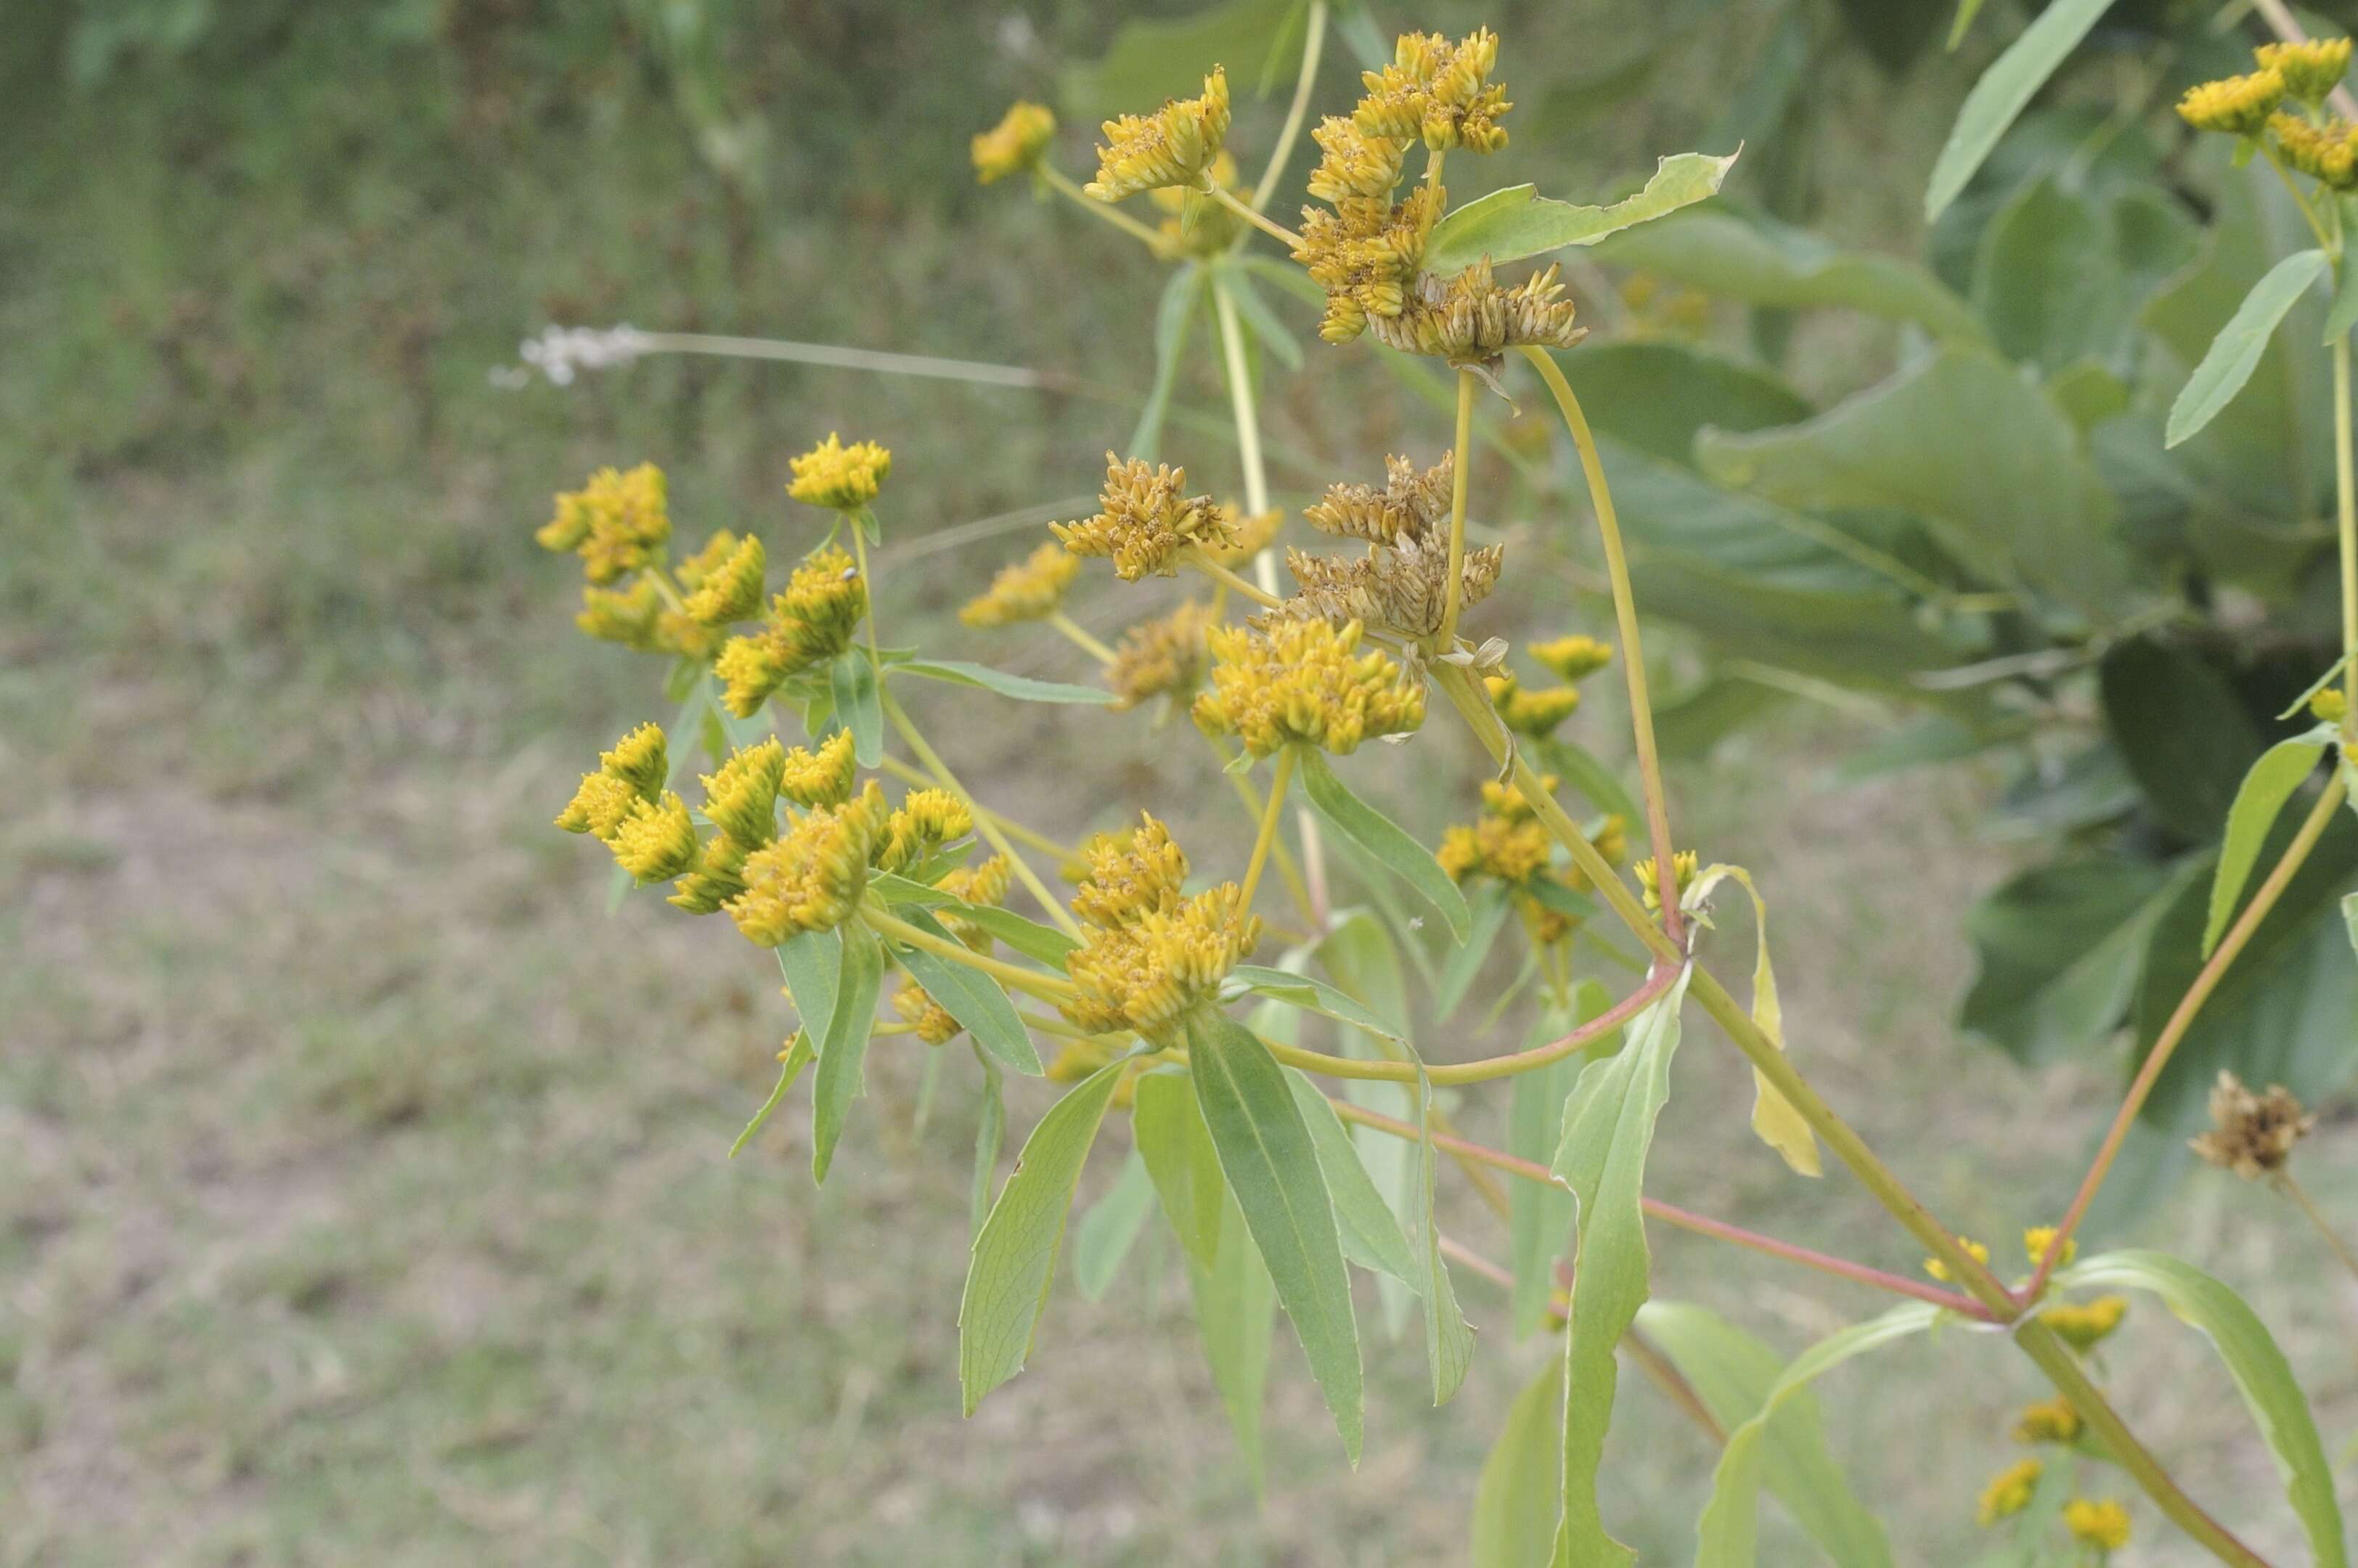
{"points": [[362, 1189]]}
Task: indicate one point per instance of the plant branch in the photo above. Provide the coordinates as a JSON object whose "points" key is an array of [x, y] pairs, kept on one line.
{"points": [[1062, 185], [1314, 44], [1266, 597], [1078, 635], [2345, 498], [1008, 824], [1454, 585], [1240, 399], [1250, 214], [1037, 982], [1267, 835], [2300, 1196]]}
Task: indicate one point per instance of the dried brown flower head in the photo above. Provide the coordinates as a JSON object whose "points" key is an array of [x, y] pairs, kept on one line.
{"points": [[1145, 520], [2251, 1135]]}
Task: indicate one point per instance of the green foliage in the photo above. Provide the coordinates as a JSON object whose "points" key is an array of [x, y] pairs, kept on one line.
{"points": [[1516, 222], [1382, 841], [970, 997], [2235, 352], [844, 1047], [1023, 689], [2005, 91], [2280, 770]]}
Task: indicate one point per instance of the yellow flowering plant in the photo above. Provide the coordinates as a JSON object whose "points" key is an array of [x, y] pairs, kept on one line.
{"points": [[1141, 977]]}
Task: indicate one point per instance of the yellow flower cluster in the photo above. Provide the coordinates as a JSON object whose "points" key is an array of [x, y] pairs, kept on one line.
{"points": [[811, 877], [2236, 105], [2103, 1525], [844, 478], [1160, 658], [2328, 152], [1438, 92], [1506, 842], [1527, 712], [1152, 953], [1174, 145], [930, 1018], [1032, 589], [1401, 583], [812, 622], [2085, 1324], [2252, 1135], [655, 840], [1572, 658], [2009, 1492], [2039, 1237], [2310, 69], [626, 807], [2049, 1421], [1211, 228], [1932, 1266], [924, 821], [724, 579], [1015, 145], [741, 798], [1304, 682], [1470, 319], [983, 885], [1365, 252], [822, 778], [617, 523], [2328, 705], [1145, 520]]}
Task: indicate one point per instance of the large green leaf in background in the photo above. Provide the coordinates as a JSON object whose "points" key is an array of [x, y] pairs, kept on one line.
{"points": [[1155, 59], [1655, 395], [2004, 92], [2186, 736], [1518, 1498], [2060, 945], [2061, 275]]}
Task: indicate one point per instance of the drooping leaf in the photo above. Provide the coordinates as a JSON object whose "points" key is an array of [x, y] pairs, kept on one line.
{"points": [[1177, 1149], [1510, 225], [2236, 350], [1516, 1501], [971, 997], [1023, 689], [797, 1057], [1015, 1252], [1775, 1121], [2261, 1373], [1726, 1535], [841, 1054], [1181, 298], [1608, 1127], [812, 962], [1384, 840], [1371, 1235], [2059, 946], [2262, 796], [1311, 994], [1733, 1374], [2004, 90], [1109, 1229], [858, 704], [1448, 1337], [1271, 1165]]}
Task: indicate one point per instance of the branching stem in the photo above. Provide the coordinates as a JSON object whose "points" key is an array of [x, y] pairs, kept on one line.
{"points": [[984, 822], [1314, 45], [1267, 835]]}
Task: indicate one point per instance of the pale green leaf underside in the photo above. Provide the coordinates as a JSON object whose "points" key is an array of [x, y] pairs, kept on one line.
{"points": [[1312, 995], [1510, 225], [1383, 839], [1177, 1149], [2258, 799], [1109, 1229], [1371, 1232], [838, 1081], [959, 671], [972, 997], [2235, 352]]}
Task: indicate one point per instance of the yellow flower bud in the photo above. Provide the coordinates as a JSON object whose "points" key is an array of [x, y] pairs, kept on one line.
{"points": [[1032, 589], [1015, 145], [742, 799], [1572, 658], [731, 588], [1130, 875], [845, 478], [1160, 658], [749, 668], [2310, 69], [1174, 145], [2049, 1421], [934, 1024], [811, 877], [2085, 1324], [628, 616], [1533, 713], [598, 806], [656, 840], [2010, 1493], [928, 819], [616, 522], [2039, 1237], [1304, 682], [2236, 105], [718, 877], [820, 778], [1144, 521], [638, 760], [2328, 705], [2103, 1525], [1932, 1266]]}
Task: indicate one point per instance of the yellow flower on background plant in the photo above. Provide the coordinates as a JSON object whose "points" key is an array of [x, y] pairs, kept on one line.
{"points": [[1304, 682], [843, 478], [1174, 145], [1145, 520], [1570, 658], [655, 840], [725, 580], [1527, 713], [616, 523], [2103, 1525], [1015, 145], [1978, 1250], [2235, 105], [2039, 1237], [2085, 1324], [1162, 657], [2049, 1421], [1031, 589], [2310, 69], [2008, 1492]]}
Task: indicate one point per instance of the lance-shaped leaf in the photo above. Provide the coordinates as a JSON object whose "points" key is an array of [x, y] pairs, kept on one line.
{"points": [[859, 703], [1384, 840], [2004, 89], [1371, 1232], [1236, 1312], [2258, 799], [1015, 1252], [990, 1131], [1448, 1337], [812, 962], [1540, 1214], [1608, 1127], [792, 1061], [1023, 689], [1728, 1534], [1510, 225], [971, 997], [1180, 298], [1774, 1119], [2261, 1373], [1514, 1504], [2236, 351], [1271, 1165], [1177, 1149], [1310, 995], [838, 1081], [1109, 1229]]}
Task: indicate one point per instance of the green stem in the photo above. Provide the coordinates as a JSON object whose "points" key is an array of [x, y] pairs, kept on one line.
{"points": [[1249, 798], [1240, 398], [1275, 230], [2345, 489], [1049, 988], [1267, 835], [1314, 44], [2300, 1196], [1453, 586], [1062, 185], [1079, 637], [1266, 597]]}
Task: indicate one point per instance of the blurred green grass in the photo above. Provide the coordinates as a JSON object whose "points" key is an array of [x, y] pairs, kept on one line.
{"points": [[362, 1194]]}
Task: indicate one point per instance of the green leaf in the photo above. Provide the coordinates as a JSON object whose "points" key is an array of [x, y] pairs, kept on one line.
{"points": [[990, 1132], [1515, 1503], [1271, 1165], [1236, 1313], [2004, 90], [1371, 1232], [1310, 994], [1491, 907], [840, 1055], [2343, 313], [1991, 465], [1384, 840], [1180, 298], [2349, 918], [1360, 954], [2237, 349], [2059, 948], [1726, 1535], [1733, 1373], [1015, 1252], [2261, 1373], [1110, 1229], [1177, 1149], [1153, 59], [2181, 728], [812, 961], [1044, 943], [2061, 274], [971, 997], [798, 1055], [1608, 1127], [1023, 689], [2271, 781], [1448, 1337], [1540, 1214], [857, 702], [1967, 11], [1257, 318], [1510, 225], [1766, 263], [900, 893]]}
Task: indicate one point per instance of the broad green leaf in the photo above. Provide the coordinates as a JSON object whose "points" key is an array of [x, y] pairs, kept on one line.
{"points": [[1448, 1337], [2059, 947], [1774, 1121], [1510, 225], [1310, 994], [1371, 1234], [2004, 90], [1733, 1373], [1540, 1214], [1023, 689], [2262, 796], [1154, 59], [1384, 840], [796, 1057], [1271, 1165], [1989, 463], [1515, 1503], [812, 962], [2237, 349], [990, 1132], [1180, 296], [1015, 1252], [2261, 1373], [1766, 263], [1177, 1149], [1236, 1312], [1109, 1229], [1491, 906], [1726, 1537], [2062, 272], [841, 1054], [1044, 943], [971, 997], [858, 704], [1655, 395], [1608, 1127], [2182, 729]]}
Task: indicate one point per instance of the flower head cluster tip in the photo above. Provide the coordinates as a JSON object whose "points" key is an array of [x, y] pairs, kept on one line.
{"points": [[1174, 145], [1506, 843], [2008, 1492], [2039, 1237], [725, 580], [1162, 657], [741, 798], [616, 523], [2049, 1421], [2328, 705], [2327, 153], [2085, 1324], [930, 1020], [1015, 145], [1979, 1251], [2252, 1135], [810, 623], [2312, 69], [1437, 92], [1145, 520], [1401, 583], [1152, 954], [924, 822], [2103, 1525], [844, 478], [1304, 682], [1031, 589], [810, 878], [1683, 865], [634, 772], [2236, 105], [821, 778]]}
